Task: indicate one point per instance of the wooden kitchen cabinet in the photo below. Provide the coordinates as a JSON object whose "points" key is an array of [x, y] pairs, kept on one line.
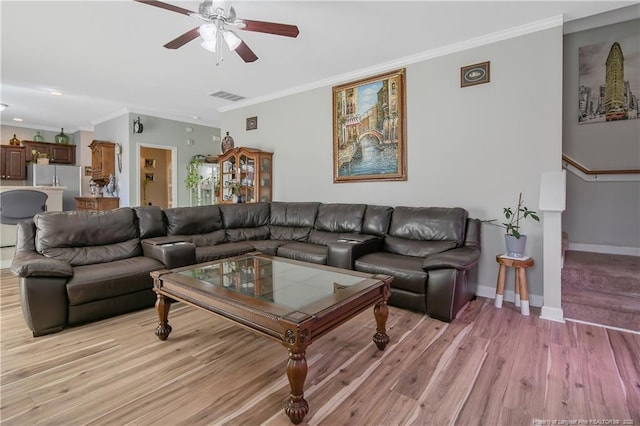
{"points": [[97, 204], [103, 161], [13, 162], [58, 153]]}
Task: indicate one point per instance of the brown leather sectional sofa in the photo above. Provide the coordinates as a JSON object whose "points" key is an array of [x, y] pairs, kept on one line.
{"points": [[76, 267]]}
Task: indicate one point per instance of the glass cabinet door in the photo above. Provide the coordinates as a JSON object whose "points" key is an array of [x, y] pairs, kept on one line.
{"points": [[265, 179]]}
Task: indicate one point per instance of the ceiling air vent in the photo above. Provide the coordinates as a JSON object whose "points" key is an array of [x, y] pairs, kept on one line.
{"points": [[226, 95]]}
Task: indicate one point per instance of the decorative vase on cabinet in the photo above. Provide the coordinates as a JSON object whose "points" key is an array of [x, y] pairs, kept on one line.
{"points": [[245, 174], [38, 137], [61, 138]]}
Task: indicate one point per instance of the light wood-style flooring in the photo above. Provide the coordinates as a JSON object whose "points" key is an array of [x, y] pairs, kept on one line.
{"points": [[489, 367]]}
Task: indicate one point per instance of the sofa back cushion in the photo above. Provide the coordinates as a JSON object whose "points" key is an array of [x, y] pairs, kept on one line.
{"points": [[376, 220], [245, 221], [84, 238], [421, 231], [340, 217], [193, 220], [150, 221], [292, 221]]}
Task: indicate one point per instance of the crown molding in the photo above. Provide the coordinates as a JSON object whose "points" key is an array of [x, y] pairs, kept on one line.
{"points": [[156, 114], [544, 24], [36, 126]]}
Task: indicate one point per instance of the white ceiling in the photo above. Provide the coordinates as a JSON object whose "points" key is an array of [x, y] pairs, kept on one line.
{"points": [[107, 57]]}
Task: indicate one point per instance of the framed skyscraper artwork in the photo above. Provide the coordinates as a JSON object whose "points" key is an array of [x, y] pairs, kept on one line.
{"points": [[609, 81]]}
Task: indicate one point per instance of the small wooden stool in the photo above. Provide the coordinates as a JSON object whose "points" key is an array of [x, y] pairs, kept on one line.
{"points": [[521, 287]]}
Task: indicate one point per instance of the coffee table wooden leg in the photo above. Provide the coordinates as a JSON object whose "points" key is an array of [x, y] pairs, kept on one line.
{"points": [[297, 407], [381, 313], [162, 307]]}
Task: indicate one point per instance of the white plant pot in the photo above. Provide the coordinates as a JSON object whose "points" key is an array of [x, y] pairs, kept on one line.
{"points": [[43, 161], [515, 246]]}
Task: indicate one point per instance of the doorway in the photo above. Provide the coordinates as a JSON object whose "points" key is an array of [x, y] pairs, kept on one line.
{"points": [[156, 177]]}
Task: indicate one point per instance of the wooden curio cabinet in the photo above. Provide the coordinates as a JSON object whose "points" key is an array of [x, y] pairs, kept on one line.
{"points": [[246, 172], [14, 162], [103, 160]]}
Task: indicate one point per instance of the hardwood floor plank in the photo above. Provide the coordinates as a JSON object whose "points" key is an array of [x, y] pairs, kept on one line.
{"points": [[484, 405], [488, 367], [626, 352], [525, 391], [444, 396]]}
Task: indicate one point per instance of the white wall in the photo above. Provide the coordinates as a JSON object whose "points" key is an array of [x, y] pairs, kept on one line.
{"points": [[473, 147], [156, 132]]}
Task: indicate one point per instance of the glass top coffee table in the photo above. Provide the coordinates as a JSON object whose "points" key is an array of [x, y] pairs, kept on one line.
{"points": [[290, 301]]}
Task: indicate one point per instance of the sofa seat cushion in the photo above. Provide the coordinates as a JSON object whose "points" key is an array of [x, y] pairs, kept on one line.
{"points": [[306, 252], [268, 246], [207, 254], [105, 280], [406, 270], [204, 240]]}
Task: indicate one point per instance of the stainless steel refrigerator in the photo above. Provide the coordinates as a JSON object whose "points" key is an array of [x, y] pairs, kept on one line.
{"points": [[55, 175]]}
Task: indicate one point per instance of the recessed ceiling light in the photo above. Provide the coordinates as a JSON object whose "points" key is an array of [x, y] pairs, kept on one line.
{"points": [[17, 119], [195, 117], [55, 93]]}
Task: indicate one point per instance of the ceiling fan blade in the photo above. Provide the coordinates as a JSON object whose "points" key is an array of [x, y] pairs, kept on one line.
{"points": [[246, 53], [166, 6], [269, 28], [183, 39]]}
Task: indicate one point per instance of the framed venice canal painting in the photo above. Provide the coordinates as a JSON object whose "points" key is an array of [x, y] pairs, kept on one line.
{"points": [[369, 129]]}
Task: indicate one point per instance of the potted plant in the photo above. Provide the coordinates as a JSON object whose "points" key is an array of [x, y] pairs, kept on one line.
{"points": [[193, 176], [38, 157], [514, 240], [234, 187]]}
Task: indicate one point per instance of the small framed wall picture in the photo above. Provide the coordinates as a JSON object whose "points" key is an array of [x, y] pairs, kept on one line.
{"points": [[471, 75], [252, 123]]}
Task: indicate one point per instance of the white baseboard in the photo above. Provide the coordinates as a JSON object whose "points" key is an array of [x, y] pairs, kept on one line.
{"points": [[552, 314], [599, 248], [509, 295]]}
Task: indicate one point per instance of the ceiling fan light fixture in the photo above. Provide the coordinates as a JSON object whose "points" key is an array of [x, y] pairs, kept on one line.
{"points": [[208, 31], [232, 40], [210, 45]]}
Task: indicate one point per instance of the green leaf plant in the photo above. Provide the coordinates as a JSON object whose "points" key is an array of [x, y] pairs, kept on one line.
{"points": [[514, 216]]}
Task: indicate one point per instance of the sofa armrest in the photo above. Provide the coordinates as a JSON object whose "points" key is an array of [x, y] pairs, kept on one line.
{"points": [[44, 303], [462, 258], [171, 254], [343, 253], [32, 264]]}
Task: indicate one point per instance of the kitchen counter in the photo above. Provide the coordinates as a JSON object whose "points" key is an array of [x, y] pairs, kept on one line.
{"points": [[54, 204]]}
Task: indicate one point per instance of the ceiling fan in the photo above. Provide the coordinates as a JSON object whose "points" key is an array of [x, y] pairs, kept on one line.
{"points": [[215, 30]]}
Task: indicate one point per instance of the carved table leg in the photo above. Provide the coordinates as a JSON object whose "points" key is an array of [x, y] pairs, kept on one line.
{"points": [[162, 307], [297, 407], [381, 312]]}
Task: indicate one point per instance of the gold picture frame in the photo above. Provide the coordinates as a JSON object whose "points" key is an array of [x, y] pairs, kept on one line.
{"points": [[369, 127]]}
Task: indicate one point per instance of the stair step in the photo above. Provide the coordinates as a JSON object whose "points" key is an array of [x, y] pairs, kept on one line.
{"points": [[606, 273], [621, 318], [602, 289]]}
